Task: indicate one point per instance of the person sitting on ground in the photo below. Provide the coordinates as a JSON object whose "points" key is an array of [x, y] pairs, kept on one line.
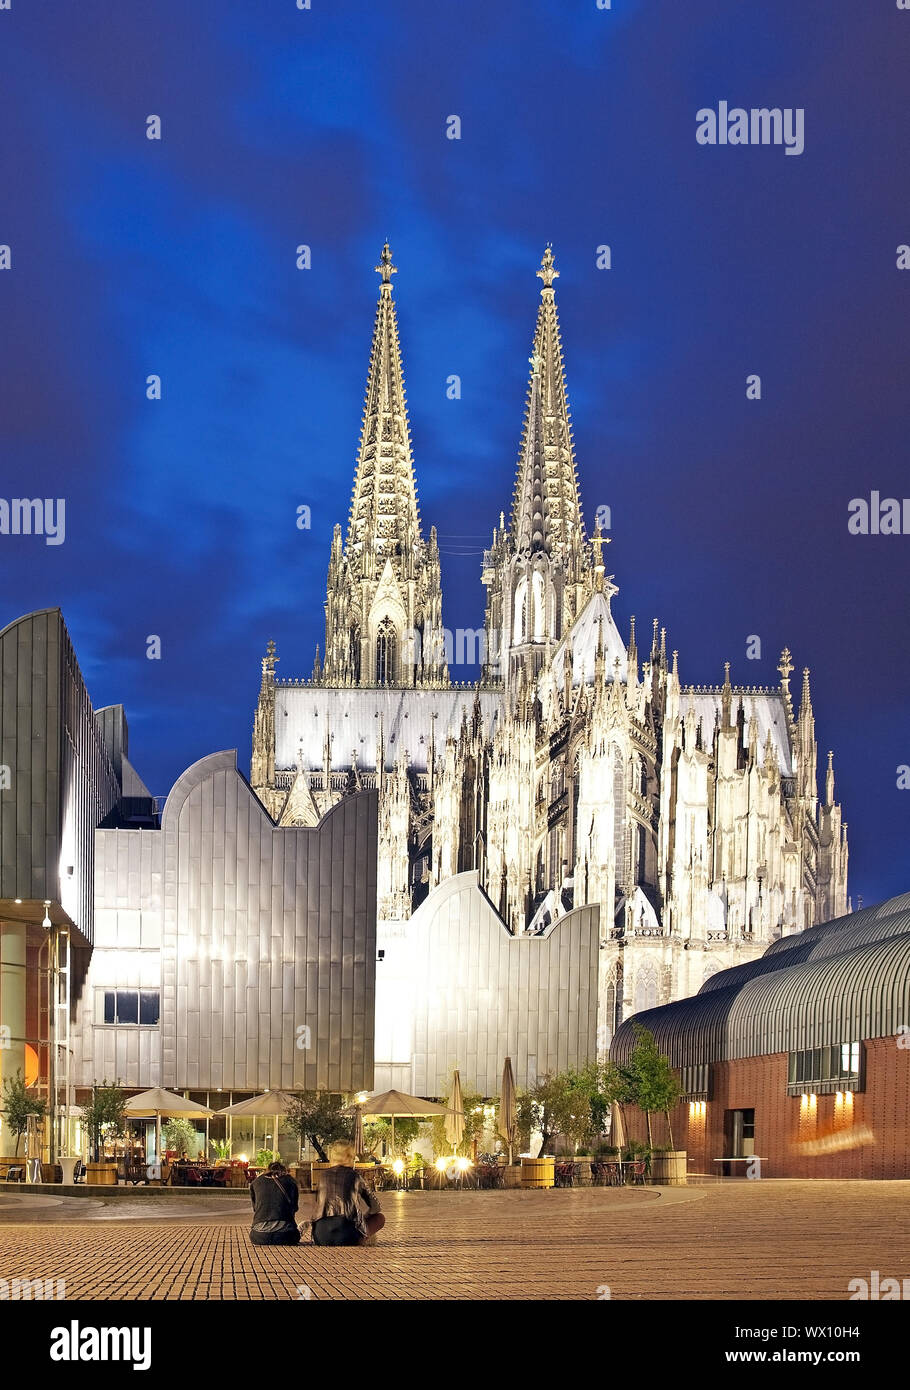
{"points": [[346, 1211], [274, 1196]]}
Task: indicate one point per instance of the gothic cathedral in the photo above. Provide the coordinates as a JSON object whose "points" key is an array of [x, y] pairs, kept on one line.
{"points": [[577, 770]]}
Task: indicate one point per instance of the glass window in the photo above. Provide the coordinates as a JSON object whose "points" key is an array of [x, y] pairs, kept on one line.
{"points": [[127, 1006], [386, 653], [148, 1006], [840, 1062]]}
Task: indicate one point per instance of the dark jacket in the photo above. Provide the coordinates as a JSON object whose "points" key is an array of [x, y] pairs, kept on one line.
{"points": [[274, 1196], [342, 1192]]}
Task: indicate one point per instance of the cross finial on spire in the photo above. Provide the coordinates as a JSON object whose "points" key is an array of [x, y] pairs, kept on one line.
{"points": [[548, 272], [785, 667], [385, 267]]}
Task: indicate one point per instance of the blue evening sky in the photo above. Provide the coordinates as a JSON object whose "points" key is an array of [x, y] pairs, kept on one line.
{"points": [[327, 127]]}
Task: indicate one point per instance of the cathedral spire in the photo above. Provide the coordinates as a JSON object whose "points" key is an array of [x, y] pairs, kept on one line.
{"points": [[540, 572], [529, 529], [546, 504], [383, 612], [384, 522]]}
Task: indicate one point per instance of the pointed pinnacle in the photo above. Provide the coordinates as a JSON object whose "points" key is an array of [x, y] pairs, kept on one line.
{"points": [[385, 267], [548, 272]]}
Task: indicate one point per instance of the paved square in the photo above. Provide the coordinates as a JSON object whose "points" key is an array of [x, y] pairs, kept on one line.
{"points": [[755, 1240]]}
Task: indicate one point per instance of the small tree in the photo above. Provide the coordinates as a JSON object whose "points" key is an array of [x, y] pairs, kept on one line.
{"points": [[182, 1136], [379, 1131], [648, 1080], [555, 1104], [317, 1116], [19, 1104], [103, 1116], [591, 1092]]}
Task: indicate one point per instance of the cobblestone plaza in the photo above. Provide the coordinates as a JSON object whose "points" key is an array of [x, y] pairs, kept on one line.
{"points": [[591, 1244]]}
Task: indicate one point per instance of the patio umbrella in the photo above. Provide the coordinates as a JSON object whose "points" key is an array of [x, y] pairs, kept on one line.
{"points": [[455, 1117], [508, 1113], [394, 1103], [358, 1140], [617, 1126], [272, 1103], [158, 1102]]}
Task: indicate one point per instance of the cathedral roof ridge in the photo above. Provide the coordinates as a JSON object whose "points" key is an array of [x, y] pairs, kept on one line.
{"points": [[735, 689]]}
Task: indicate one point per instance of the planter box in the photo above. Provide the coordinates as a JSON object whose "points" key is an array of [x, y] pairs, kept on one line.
{"points": [[669, 1169], [512, 1175], [538, 1172], [583, 1172], [101, 1174]]}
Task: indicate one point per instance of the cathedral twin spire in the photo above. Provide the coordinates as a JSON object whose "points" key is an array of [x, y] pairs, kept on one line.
{"points": [[384, 598], [538, 571], [384, 522], [546, 510]]}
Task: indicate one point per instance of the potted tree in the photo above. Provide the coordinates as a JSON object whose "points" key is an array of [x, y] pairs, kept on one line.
{"points": [[546, 1106], [591, 1092], [317, 1117], [103, 1118], [652, 1084], [19, 1104]]}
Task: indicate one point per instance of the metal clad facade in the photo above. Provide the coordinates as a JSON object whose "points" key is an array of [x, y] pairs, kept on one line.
{"points": [[62, 781], [262, 942], [481, 994]]}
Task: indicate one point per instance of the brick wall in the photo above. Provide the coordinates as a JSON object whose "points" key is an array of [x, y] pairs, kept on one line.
{"points": [[785, 1126]]}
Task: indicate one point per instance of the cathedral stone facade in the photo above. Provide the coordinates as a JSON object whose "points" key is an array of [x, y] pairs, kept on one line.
{"points": [[578, 773]]}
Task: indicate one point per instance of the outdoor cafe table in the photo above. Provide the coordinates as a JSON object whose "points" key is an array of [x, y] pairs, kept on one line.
{"points": [[206, 1172]]}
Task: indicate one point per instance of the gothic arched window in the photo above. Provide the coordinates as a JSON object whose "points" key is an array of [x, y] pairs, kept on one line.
{"points": [[354, 652], [539, 602], [386, 653], [646, 988]]}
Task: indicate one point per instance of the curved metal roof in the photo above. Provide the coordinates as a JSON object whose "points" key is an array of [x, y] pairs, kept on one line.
{"points": [[847, 990]]}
